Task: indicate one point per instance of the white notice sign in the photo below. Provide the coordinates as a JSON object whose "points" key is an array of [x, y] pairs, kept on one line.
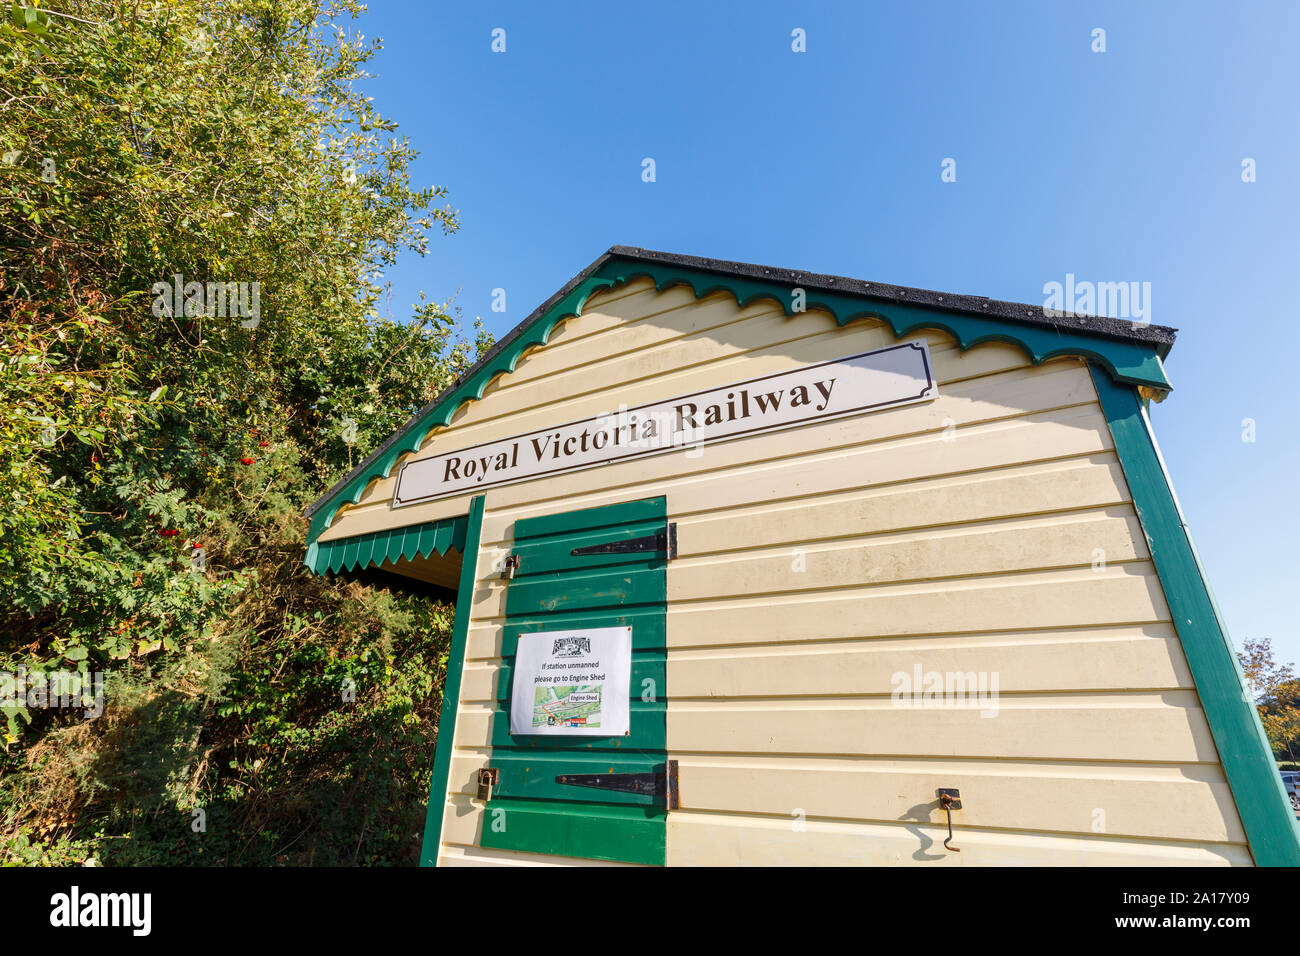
{"points": [[868, 382], [572, 683]]}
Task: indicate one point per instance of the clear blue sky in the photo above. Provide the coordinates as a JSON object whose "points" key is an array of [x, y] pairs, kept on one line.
{"points": [[1123, 165]]}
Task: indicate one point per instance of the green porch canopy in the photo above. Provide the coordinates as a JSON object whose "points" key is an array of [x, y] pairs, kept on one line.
{"points": [[360, 551]]}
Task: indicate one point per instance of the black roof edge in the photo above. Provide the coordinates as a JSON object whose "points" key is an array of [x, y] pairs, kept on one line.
{"points": [[1160, 336]]}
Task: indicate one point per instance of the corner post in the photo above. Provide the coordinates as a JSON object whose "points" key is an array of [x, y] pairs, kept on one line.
{"points": [[451, 687], [1244, 750]]}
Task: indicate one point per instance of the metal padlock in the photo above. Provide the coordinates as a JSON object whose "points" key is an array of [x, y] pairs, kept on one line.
{"points": [[487, 779]]}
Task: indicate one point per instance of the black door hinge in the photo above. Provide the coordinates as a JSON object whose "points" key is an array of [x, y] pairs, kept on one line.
{"points": [[660, 783], [663, 540]]}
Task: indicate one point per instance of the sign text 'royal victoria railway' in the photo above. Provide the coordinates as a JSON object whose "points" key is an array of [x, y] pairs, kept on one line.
{"points": [[883, 378]]}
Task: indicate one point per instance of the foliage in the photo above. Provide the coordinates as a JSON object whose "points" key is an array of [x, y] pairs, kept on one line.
{"points": [[1277, 694], [157, 451]]}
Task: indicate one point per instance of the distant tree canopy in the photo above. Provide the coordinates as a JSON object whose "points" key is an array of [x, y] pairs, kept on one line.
{"points": [[197, 200], [1277, 695]]}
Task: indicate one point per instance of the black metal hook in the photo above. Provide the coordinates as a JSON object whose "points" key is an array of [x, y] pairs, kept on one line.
{"points": [[950, 800]]}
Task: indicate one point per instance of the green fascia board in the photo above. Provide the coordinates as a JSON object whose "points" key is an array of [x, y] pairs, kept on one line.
{"points": [[451, 686], [361, 551], [1130, 362], [1247, 758]]}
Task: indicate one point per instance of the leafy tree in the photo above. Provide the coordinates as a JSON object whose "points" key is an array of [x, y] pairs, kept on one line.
{"points": [[1277, 693], [157, 450]]}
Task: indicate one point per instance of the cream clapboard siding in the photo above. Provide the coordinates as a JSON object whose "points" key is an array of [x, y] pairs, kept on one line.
{"points": [[987, 532]]}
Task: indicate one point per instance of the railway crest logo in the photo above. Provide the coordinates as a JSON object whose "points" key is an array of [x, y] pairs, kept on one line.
{"points": [[571, 647]]}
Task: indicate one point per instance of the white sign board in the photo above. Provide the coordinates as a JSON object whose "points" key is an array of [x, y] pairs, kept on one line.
{"points": [[884, 378], [572, 683]]}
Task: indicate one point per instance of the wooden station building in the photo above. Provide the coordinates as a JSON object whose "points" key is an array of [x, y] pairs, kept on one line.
{"points": [[883, 557]]}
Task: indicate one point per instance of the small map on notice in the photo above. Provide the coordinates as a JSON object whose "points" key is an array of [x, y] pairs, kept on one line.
{"points": [[573, 683], [569, 705]]}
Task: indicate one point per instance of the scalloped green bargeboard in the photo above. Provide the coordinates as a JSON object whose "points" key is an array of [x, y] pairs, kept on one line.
{"points": [[1127, 362]]}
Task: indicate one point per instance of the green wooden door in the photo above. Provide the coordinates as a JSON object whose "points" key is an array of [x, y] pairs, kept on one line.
{"points": [[555, 590]]}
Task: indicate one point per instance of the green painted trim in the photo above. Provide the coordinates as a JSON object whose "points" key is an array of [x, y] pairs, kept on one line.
{"points": [[554, 587], [1129, 362], [530, 774], [363, 550], [601, 831], [451, 686], [619, 518], [414, 433], [1243, 747]]}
